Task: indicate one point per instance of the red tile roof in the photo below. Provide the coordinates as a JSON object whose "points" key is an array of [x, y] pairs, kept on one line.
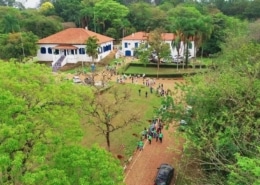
{"points": [[136, 36], [143, 36], [73, 36]]}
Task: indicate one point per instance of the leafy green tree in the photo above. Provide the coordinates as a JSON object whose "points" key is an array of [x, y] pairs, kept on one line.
{"points": [[47, 9], [186, 21], [108, 11], [92, 47], [145, 17], [10, 24], [69, 10], [18, 45], [40, 25], [39, 116], [225, 117], [40, 130], [158, 45], [143, 53], [246, 170]]}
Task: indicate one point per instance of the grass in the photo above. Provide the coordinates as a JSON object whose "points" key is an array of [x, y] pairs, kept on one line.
{"points": [[123, 141], [153, 70]]}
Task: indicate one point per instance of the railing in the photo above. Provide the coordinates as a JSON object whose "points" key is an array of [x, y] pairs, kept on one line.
{"points": [[58, 63]]}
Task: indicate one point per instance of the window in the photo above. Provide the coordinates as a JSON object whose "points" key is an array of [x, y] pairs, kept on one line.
{"points": [[82, 51], [56, 51], [43, 50], [136, 45], [49, 50], [99, 50], [126, 45], [72, 52]]}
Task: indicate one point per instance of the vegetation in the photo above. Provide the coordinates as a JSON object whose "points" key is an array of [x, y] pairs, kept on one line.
{"points": [[205, 22], [40, 131], [221, 131]]}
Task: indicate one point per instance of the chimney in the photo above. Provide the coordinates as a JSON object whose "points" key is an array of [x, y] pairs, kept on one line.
{"points": [[133, 34], [86, 28]]}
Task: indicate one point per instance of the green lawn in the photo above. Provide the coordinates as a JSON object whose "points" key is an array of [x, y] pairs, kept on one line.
{"points": [[153, 70]]}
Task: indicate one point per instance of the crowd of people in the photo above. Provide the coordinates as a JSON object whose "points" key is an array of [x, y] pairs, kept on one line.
{"points": [[154, 131]]}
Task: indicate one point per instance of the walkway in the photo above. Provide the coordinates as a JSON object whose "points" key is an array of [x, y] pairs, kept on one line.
{"points": [[143, 166]]}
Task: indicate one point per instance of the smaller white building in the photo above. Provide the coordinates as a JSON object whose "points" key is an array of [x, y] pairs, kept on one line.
{"points": [[69, 46], [130, 42]]}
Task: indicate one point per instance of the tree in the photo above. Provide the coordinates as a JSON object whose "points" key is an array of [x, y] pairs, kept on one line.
{"points": [[47, 8], [40, 131], [143, 53], [110, 113], [39, 116], [92, 47], [186, 21], [18, 45], [10, 24], [146, 17], [69, 10], [41, 26], [106, 11], [225, 117], [159, 46], [92, 50]]}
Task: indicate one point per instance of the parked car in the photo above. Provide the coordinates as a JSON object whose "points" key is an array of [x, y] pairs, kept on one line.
{"points": [[76, 79], [164, 175], [178, 59]]}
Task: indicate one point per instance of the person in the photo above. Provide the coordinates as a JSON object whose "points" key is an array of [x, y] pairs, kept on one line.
{"points": [[160, 136], [140, 145], [146, 93], [156, 136], [144, 133], [139, 92], [150, 138], [151, 89]]}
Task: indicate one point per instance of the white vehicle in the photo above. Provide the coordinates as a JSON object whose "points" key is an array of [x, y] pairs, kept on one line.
{"points": [[76, 79]]}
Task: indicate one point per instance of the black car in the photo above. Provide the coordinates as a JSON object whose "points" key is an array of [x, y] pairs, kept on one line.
{"points": [[164, 175]]}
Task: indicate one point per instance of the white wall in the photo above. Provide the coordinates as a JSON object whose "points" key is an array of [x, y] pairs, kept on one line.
{"points": [[69, 57], [131, 47]]}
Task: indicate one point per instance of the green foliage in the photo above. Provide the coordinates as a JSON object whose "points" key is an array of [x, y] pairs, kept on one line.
{"points": [[89, 166], [18, 45], [92, 46], [143, 53], [246, 170], [41, 26], [40, 128], [108, 11], [157, 44], [223, 128]]}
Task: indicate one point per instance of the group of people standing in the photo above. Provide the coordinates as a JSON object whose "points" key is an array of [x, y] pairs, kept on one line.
{"points": [[153, 131]]}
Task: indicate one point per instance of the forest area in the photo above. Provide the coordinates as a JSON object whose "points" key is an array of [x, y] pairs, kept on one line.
{"points": [[40, 135]]}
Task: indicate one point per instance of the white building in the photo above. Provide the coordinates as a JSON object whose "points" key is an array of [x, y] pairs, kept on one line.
{"points": [[130, 42], [69, 46]]}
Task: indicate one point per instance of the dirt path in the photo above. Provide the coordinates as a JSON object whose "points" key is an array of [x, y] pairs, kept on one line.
{"points": [[143, 166]]}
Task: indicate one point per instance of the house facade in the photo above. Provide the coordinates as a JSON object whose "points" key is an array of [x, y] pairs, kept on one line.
{"points": [[69, 46], [133, 41]]}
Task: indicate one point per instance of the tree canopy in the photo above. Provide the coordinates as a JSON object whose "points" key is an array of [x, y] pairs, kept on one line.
{"points": [[40, 130]]}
